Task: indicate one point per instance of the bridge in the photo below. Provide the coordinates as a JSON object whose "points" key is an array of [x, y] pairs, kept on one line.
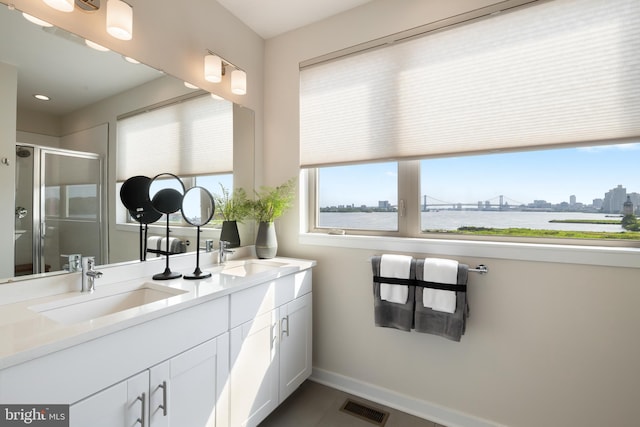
{"points": [[499, 202]]}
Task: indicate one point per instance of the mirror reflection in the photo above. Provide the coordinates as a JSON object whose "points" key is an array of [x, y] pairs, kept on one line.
{"points": [[198, 208], [89, 91]]}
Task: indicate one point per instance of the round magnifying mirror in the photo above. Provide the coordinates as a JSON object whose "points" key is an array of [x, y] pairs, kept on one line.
{"points": [[166, 192], [198, 208]]}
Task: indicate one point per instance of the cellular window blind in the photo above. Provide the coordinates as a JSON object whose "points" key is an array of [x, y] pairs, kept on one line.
{"points": [[557, 72], [193, 137]]}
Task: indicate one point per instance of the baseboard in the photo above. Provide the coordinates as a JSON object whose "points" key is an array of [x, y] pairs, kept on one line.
{"points": [[419, 408]]}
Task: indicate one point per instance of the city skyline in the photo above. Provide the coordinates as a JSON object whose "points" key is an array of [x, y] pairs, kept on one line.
{"points": [[550, 175]]}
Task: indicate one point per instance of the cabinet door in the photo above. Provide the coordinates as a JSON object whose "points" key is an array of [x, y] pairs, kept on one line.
{"points": [[254, 370], [123, 404], [185, 389], [295, 344]]}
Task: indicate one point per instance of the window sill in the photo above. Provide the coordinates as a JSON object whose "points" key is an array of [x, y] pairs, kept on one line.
{"points": [[566, 254], [156, 229]]}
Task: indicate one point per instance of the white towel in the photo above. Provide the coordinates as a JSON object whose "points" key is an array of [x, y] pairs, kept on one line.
{"points": [[174, 245], [399, 267], [440, 270], [153, 242]]}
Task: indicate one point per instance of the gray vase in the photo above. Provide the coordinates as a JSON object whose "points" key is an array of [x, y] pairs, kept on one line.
{"points": [[266, 241], [229, 233]]}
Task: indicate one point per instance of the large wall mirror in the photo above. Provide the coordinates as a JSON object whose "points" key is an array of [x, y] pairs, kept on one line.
{"points": [[89, 91]]}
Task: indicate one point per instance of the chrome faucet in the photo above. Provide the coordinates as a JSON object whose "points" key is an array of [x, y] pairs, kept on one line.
{"points": [[89, 274], [223, 251]]}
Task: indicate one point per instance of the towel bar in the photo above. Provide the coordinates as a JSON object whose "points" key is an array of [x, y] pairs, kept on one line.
{"points": [[480, 268]]}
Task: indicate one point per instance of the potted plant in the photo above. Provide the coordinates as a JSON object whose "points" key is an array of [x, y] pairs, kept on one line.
{"points": [[233, 208], [270, 203]]}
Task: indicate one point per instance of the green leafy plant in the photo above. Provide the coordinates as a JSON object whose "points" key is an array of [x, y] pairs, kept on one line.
{"points": [[233, 207], [272, 202]]}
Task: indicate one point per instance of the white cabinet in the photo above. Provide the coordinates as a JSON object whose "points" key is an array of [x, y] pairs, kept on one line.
{"points": [[271, 351], [123, 404], [295, 344], [182, 391]]}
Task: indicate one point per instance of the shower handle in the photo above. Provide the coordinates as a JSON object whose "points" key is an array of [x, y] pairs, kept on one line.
{"points": [[21, 212]]}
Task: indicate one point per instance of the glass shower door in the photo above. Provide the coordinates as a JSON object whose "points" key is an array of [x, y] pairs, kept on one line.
{"points": [[70, 207]]}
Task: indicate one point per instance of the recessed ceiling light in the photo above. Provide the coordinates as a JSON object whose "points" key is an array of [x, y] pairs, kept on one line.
{"points": [[96, 46], [41, 97], [190, 85], [130, 59]]}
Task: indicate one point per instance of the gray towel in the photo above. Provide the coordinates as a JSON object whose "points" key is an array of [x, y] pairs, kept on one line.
{"points": [[447, 325], [388, 314]]}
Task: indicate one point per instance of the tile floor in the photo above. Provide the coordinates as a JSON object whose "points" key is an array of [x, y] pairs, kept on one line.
{"points": [[315, 405]]}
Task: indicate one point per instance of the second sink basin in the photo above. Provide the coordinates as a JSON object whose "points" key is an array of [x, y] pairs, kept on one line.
{"points": [[249, 267], [87, 307]]}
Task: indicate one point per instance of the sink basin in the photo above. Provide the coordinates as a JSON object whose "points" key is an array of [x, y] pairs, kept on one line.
{"points": [[250, 267], [93, 306]]}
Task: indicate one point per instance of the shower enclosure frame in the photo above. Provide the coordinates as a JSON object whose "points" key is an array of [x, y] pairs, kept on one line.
{"points": [[38, 220]]}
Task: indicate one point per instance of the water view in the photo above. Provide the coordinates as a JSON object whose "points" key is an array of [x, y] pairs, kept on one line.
{"points": [[452, 220]]}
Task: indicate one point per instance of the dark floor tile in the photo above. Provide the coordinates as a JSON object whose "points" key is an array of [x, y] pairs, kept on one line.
{"points": [[316, 405]]}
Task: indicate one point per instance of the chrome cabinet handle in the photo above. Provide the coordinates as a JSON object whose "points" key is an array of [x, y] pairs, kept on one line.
{"points": [[282, 325], [164, 406], [143, 410]]}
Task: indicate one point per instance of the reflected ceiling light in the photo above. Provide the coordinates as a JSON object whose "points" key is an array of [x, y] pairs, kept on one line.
{"points": [[61, 5], [131, 60], [119, 19], [217, 97], [36, 21], [96, 46], [190, 85], [213, 68], [239, 82], [41, 97]]}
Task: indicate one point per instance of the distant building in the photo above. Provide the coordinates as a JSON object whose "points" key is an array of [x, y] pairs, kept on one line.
{"points": [[597, 203], [572, 200], [614, 200], [384, 204]]}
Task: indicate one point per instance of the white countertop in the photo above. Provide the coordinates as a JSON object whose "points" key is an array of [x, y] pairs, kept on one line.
{"points": [[26, 334]]}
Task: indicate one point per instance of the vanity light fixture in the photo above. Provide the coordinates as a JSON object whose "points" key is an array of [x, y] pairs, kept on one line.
{"points": [[119, 14], [61, 5], [119, 19], [215, 67], [36, 21], [239, 82]]}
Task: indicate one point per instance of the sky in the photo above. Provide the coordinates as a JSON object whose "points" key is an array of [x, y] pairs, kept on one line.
{"points": [[551, 175]]}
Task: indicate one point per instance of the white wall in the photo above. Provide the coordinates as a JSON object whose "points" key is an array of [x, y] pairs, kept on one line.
{"points": [[552, 344], [8, 98]]}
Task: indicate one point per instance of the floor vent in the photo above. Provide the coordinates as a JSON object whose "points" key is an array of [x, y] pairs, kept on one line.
{"points": [[365, 412]]}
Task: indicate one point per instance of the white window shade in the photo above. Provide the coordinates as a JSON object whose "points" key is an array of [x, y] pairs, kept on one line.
{"points": [[558, 72], [193, 137]]}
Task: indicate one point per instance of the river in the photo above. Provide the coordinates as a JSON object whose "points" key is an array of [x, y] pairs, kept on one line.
{"points": [[452, 220]]}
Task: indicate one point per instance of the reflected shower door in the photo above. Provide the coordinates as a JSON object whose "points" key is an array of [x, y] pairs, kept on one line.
{"points": [[24, 208], [70, 207]]}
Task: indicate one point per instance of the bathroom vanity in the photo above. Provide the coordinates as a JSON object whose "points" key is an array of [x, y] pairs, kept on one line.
{"points": [[222, 351]]}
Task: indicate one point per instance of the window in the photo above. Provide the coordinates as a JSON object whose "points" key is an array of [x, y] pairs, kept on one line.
{"points": [[191, 138], [347, 194], [491, 122]]}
